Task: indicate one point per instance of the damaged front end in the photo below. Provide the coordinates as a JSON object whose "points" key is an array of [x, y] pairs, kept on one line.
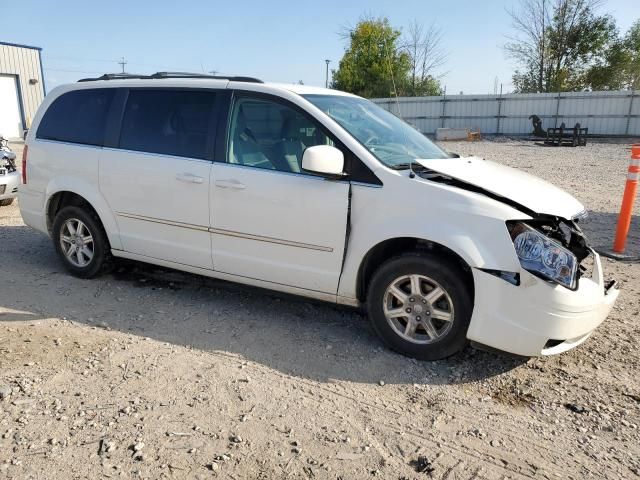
{"points": [[9, 176], [7, 163], [548, 246], [551, 248], [554, 295], [7, 158]]}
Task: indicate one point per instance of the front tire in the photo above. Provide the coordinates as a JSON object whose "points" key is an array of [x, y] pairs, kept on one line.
{"points": [[420, 306], [81, 242]]}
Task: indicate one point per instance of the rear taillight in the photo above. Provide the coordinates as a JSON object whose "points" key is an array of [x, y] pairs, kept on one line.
{"points": [[24, 165]]}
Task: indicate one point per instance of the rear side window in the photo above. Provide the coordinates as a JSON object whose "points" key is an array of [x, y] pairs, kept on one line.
{"points": [[170, 122], [77, 117]]}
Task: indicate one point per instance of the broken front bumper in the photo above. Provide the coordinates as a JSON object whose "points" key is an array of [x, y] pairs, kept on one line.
{"points": [[538, 317]]}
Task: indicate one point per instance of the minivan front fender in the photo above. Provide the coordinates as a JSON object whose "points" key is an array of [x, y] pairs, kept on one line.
{"points": [[476, 232], [92, 197], [473, 251]]}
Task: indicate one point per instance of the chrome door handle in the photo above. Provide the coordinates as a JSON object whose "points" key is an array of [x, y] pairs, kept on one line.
{"points": [[230, 183], [189, 178]]}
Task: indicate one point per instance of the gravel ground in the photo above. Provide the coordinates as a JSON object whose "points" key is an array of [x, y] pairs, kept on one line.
{"points": [[148, 373]]}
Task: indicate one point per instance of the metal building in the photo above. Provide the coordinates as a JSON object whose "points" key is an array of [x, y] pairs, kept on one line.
{"points": [[21, 87]]}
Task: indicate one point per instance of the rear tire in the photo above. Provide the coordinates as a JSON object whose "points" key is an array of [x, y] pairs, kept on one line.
{"points": [[81, 242], [420, 306], [6, 202]]}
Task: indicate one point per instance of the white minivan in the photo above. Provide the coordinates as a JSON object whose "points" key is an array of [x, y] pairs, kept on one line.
{"points": [[314, 192]]}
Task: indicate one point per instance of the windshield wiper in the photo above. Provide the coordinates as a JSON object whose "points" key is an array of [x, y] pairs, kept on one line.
{"points": [[407, 166]]}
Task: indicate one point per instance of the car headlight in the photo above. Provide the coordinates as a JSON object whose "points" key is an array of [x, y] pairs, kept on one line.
{"points": [[543, 256]]}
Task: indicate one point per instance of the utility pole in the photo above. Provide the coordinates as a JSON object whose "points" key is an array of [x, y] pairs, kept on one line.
{"points": [[326, 75], [123, 63], [540, 79], [213, 72]]}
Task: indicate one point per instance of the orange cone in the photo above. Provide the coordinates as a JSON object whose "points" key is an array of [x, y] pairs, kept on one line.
{"points": [[630, 189]]}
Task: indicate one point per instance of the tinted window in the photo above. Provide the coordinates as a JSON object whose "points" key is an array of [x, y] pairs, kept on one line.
{"points": [[78, 117], [271, 135], [171, 122]]}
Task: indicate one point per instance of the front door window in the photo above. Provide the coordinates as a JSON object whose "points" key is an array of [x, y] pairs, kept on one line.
{"points": [[270, 135]]}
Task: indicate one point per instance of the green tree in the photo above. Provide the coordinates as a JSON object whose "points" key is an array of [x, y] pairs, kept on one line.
{"points": [[620, 67], [633, 67], [576, 46], [557, 42], [423, 87], [373, 63]]}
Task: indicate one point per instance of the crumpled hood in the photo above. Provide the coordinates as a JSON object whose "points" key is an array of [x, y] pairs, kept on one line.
{"points": [[525, 189]]}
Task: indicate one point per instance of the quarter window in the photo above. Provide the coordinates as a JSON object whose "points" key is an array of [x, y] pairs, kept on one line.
{"points": [[170, 122], [77, 117], [271, 135]]}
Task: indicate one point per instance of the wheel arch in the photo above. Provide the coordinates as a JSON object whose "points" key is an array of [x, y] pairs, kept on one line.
{"points": [[62, 199], [389, 248], [60, 195]]}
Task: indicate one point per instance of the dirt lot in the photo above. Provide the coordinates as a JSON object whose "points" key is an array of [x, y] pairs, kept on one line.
{"points": [[147, 373]]}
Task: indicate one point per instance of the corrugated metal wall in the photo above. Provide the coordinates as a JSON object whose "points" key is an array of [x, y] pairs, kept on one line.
{"points": [[604, 113], [25, 63]]}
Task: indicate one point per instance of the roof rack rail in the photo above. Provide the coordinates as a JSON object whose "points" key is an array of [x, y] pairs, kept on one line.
{"points": [[231, 78], [161, 75], [114, 76]]}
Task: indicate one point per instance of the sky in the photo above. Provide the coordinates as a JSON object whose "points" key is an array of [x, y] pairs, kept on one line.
{"points": [[273, 40]]}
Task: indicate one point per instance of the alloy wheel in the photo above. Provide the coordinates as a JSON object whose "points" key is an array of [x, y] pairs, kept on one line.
{"points": [[76, 242], [418, 308]]}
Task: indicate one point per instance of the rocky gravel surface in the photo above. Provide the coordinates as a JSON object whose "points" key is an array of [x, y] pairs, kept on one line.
{"points": [[149, 373]]}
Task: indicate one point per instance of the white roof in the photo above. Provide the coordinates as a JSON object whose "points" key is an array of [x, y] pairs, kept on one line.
{"points": [[205, 83], [308, 90]]}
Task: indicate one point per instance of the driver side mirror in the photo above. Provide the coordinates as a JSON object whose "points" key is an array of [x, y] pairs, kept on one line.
{"points": [[325, 160]]}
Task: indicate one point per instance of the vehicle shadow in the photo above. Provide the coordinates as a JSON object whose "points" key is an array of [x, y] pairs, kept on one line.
{"points": [[600, 228], [308, 339]]}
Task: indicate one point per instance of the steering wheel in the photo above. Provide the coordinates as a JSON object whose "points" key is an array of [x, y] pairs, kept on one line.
{"points": [[371, 139]]}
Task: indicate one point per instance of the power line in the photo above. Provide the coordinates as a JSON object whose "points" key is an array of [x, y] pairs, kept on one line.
{"points": [[143, 65], [69, 71], [78, 59]]}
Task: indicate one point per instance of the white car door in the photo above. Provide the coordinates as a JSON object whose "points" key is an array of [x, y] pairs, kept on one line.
{"points": [[157, 180], [270, 220]]}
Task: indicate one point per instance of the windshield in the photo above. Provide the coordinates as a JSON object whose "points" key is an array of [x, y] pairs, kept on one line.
{"points": [[392, 141]]}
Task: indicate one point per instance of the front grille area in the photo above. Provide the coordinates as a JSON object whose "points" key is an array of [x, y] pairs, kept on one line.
{"points": [[586, 266]]}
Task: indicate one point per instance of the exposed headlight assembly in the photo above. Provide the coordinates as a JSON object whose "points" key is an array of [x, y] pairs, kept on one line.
{"points": [[544, 257]]}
